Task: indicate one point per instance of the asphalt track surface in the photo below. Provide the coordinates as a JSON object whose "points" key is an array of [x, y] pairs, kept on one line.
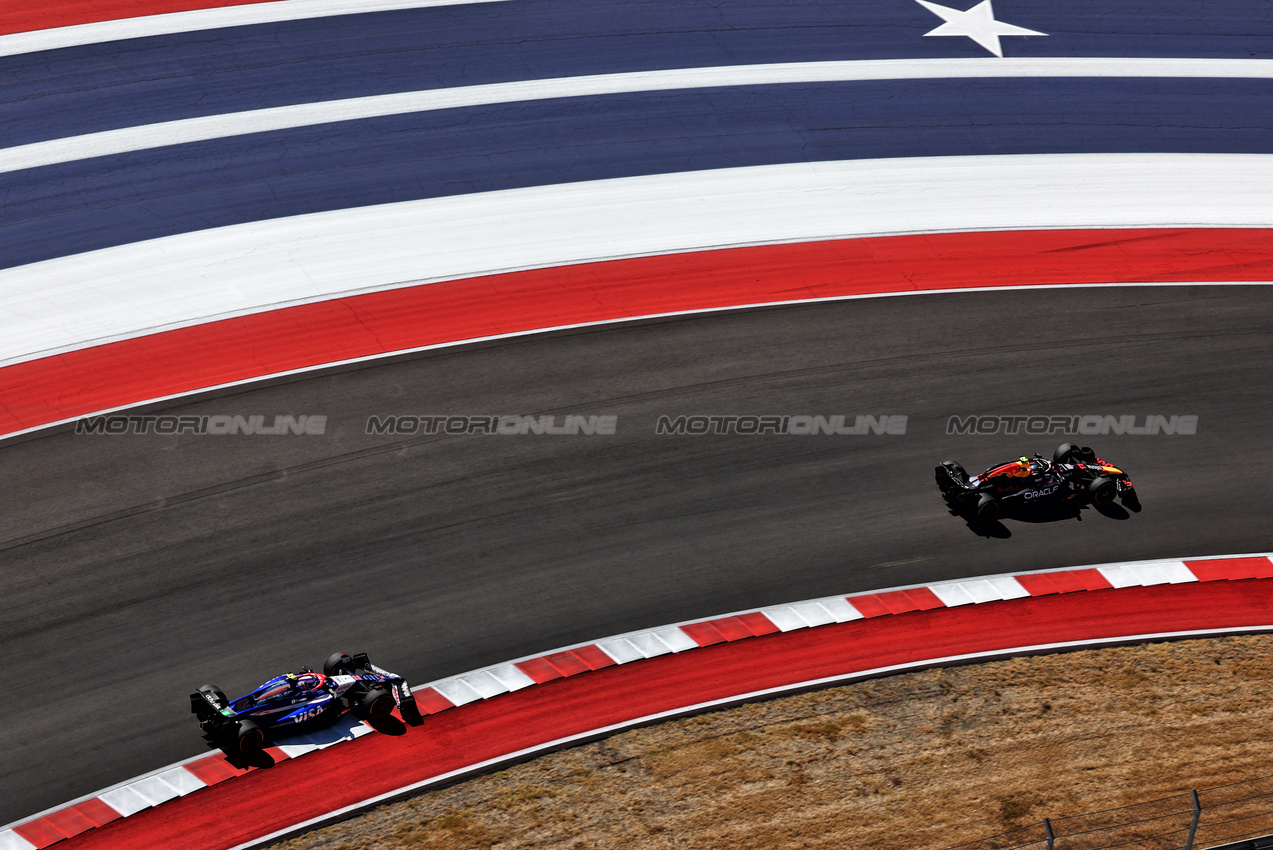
{"points": [[142, 566]]}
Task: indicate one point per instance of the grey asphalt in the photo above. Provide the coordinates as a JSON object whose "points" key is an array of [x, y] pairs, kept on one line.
{"points": [[136, 568]]}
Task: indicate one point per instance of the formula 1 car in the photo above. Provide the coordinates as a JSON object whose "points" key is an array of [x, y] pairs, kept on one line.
{"points": [[295, 701], [1074, 473]]}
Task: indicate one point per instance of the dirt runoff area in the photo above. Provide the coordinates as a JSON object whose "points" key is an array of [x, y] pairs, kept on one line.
{"points": [[924, 760]]}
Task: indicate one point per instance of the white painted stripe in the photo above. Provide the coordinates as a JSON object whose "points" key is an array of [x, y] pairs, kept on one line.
{"points": [[204, 19], [182, 780], [190, 130], [621, 650], [1177, 572], [785, 618], [954, 593], [125, 800], [675, 639], [456, 691], [293, 751], [648, 645], [840, 609], [10, 840], [1121, 576], [813, 613], [484, 684], [510, 677], [154, 790], [1008, 587], [117, 293]]}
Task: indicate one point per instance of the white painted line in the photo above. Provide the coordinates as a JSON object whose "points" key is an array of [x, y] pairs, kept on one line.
{"points": [[1177, 572], [1121, 576], [675, 639], [456, 691], [954, 593], [122, 292], [484, 684], [125, 800], [205, 128], [154, 790], [204, 19], [785, 618], [293, 751], [621, 650], [10, 840], [1009, 588], [182, 780], [840, 609], [649, 645], [510, 677], [813, 613]]}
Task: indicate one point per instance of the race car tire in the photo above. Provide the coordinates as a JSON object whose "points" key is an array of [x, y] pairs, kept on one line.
{"points": [[216, 693], [1102, 491], [986, 510], [339, 664], [376, 704], [1063, 453], [246, 738]]}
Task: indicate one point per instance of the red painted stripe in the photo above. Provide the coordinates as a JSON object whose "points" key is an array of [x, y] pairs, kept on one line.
{"points": [[97, 812], [732, 628], [40, 832], [539, 670], [703, 634], [870, 605], [758, 624], [595, 657], [132, 371], [924, 599], [567, 663], [1231, 569], [213, 769], [429, 701], [1065, 581], [267, 800], [47, 14]]}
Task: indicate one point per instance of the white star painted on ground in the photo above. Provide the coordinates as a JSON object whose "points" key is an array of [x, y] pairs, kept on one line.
{"points": [[978, 23]]}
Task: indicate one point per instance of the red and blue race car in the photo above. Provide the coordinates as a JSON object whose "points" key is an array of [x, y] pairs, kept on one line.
{"points": [[1074, 474], [296, 701]]}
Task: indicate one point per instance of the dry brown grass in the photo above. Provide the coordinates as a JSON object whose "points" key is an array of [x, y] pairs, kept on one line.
{"points": [[925, 760]]}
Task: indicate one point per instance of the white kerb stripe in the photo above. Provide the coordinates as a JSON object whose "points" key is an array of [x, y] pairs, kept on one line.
{"points": [[182, 780], [511, 677], [1008, 587], [484, 684], [622, 650], [456, 691], [209, 127], [204, 19], [154, 790], [10, 840], [125, 800], [116, 293], [955, 593]]}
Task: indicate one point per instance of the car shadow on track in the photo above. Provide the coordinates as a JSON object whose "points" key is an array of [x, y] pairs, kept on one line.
{"points": [[1041, 513]]}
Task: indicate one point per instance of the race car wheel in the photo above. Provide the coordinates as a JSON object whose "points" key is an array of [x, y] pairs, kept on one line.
{"points": [[247, 738], [1063, 453], [216, 693], [376, 704], [339, 664], [1102, 491], [987, 510]]}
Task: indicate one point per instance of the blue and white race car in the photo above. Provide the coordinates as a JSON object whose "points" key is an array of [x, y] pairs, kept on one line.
{"points": [[295, 701]]}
